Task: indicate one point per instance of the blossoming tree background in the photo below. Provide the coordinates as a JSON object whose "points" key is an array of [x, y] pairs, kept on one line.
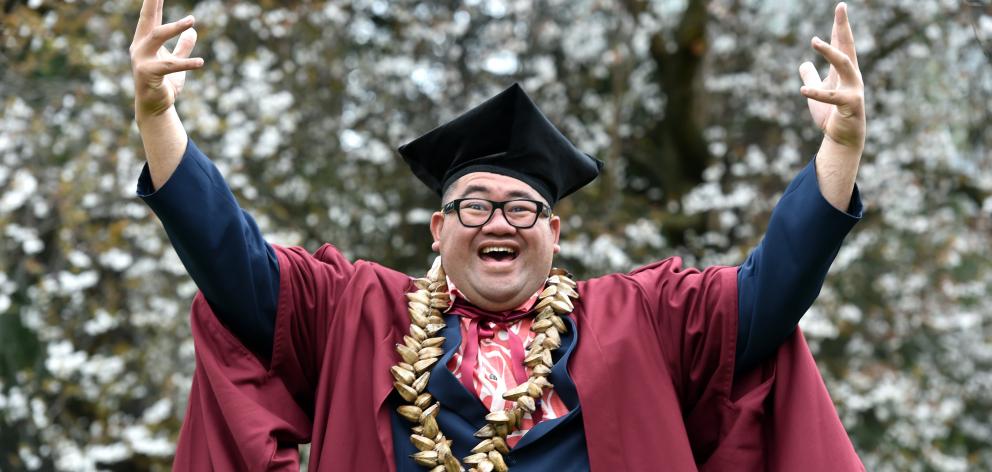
{"points": [[693, 104]]}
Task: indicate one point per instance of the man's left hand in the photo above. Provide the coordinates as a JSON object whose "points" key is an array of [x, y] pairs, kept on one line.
{"points": [[837, 105]]}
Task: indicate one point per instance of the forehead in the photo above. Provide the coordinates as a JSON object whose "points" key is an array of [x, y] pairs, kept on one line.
{"points": [[492, 186]]}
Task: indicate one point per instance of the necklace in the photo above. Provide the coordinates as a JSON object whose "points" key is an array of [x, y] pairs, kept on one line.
{"points": [[421, 349]]}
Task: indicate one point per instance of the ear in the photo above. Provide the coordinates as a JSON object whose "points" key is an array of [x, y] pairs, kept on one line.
{"points": [[555, 224], [437, 222]]}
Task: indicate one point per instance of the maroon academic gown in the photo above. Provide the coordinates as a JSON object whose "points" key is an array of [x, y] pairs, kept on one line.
{"points": [[654, 371]]}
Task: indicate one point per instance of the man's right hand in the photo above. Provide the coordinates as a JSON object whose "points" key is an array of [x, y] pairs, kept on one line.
{"points": [[159, 75]]}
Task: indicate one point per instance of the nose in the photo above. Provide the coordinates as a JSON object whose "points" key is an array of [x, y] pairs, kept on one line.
{"points": [[498, 224]]}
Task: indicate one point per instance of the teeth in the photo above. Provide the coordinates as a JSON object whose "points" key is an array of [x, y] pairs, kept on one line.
{"points": [[490, 249]]}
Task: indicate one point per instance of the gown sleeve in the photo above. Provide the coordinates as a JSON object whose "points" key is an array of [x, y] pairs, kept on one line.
{"points": [[220, 245], [783, 275]]}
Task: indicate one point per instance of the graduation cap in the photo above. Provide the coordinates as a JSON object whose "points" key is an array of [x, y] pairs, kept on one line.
{"points": [[506, 135]]}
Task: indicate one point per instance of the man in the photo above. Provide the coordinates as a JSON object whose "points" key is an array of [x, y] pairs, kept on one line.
{"points": [[665, 368]]}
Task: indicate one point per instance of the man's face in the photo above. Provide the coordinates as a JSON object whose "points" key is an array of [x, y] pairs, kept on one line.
{"points": [[493, 280]]}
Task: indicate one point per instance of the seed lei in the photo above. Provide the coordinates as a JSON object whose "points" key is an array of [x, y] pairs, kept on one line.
{"points": [[421, 349]]}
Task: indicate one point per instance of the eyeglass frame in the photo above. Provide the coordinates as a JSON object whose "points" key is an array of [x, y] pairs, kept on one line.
{"points": [[454, 206]]}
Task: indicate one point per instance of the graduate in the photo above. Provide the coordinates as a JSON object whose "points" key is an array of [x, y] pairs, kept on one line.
{"points": [[494, 359]]}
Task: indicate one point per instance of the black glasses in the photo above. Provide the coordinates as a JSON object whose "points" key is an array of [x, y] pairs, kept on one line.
{"points": [[476, 212]]}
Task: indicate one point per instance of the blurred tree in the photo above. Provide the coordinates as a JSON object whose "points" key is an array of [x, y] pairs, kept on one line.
{"points": [[693, 104]]}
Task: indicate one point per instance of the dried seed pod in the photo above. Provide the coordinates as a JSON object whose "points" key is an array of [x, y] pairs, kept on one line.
{"points": [[410, 412], [421, 442], [534, 390], [474, 459], [418, 333], [499, 465], [485, 445], [438, 320], [538, 340], [451, 464], [527, 404], [409, 355], [540, 370], [432, 410], [561, 297], [552, 338], [545, 312], [549, 291], [417, 430], [425, 458], [560, 306], [501, 445], [424, 365], [501, 429], [485, 466], [515, 392], [411, 343], [498, 417], [439, 303], [422, 283], [436, 271], [433, 328], [543, 382], [420, 296], [543, 303], [511, 418], [535, 358], [540, 326], [566, 279], [440, 295], [421, 383], [405, 366], [405, 391], [431, 428], [423, 400], [402, 375], [438, 468], [546, 359], [486, 431], [418, 317], [559, 271], [559, 324], [436, 341], [428, 352], [568, 291]]}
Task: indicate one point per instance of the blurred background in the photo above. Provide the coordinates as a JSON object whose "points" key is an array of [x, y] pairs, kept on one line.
{"points": [[693, 104]]}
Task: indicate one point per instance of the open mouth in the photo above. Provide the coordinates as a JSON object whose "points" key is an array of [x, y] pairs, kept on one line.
{"points": [[497, 253]]}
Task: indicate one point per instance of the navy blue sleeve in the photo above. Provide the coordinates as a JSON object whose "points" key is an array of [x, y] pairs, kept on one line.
{"points": [[221, 247], [783, 275]]}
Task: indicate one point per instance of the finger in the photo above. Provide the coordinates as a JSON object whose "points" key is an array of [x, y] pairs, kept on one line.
{"points": [[830, 81], [833, 97], [185, 44], [845, 67], [160, 34], [842, 37], [150, 17], [163, 67], [807, 72]]}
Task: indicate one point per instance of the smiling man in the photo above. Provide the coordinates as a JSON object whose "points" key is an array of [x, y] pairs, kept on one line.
{"points": [[495, 360]]}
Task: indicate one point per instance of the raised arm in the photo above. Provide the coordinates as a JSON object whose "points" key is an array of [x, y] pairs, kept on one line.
{"points": [[218, 242], [783, 275]]}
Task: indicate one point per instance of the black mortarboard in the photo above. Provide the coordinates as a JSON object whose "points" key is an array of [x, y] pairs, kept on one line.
{"points": [[505, 135]]}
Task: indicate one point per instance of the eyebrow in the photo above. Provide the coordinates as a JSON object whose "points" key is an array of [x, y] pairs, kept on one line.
{"points": [[483, 189]]}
